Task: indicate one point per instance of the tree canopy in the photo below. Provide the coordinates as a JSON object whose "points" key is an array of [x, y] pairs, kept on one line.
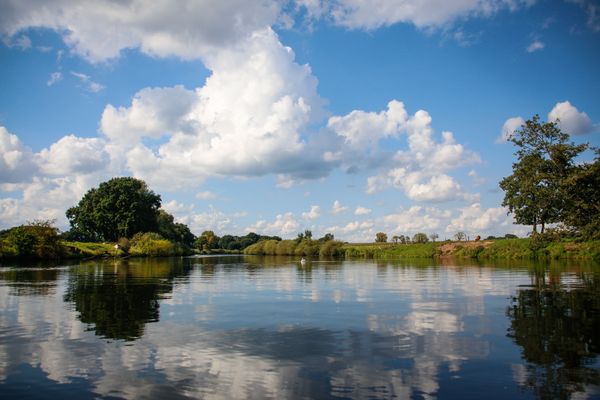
{"points": [[380, 237], [119, 207], [535, 192]]}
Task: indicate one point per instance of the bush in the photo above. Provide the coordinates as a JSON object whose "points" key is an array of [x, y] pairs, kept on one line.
{"points": [[270, 247], [307, 248], [285, 248], [331, 248], [256, 249], [541, 240], [152, 244], [38, 239]]}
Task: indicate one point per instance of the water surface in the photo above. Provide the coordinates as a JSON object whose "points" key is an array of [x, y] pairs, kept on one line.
{"points": [[254, 327]]}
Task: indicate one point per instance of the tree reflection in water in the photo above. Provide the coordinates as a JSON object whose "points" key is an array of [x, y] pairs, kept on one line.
{"points": [[558, 327], [119, 298]]}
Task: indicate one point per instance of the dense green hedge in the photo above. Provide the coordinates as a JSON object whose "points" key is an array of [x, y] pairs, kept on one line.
{"points": [[308, 248]]}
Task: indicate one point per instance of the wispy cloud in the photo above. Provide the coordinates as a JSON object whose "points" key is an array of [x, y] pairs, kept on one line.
{"points": [[207, 195], [535, 46], [88, 83], [54, 77], [22, 42]]}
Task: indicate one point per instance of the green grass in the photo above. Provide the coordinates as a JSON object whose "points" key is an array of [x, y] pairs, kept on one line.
{"points": [[87, 250], [527, 248], [506, 249]]}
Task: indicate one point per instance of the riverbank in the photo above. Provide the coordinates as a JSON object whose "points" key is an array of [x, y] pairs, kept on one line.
{"points": [[506, 249], [487, 249]]}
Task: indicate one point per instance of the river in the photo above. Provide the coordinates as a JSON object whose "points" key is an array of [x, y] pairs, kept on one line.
{"points": [[256, 327]]}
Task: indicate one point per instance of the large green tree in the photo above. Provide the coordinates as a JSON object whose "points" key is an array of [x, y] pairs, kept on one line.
{"points": [[120, 207], [582, 195], [534, 192]]}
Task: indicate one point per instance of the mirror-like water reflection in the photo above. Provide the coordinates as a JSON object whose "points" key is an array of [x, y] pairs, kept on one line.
{"points": [[260, 327]]}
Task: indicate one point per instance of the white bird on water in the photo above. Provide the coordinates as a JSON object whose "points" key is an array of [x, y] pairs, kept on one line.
{"points": [[302, 261]]}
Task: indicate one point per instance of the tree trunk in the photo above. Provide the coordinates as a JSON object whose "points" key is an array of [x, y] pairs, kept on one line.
{"points": [[534, 225], [543, 224]]}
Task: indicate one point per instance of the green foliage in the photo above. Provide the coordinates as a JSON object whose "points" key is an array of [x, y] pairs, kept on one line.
{"points": [[270, 246], [38, 239], [174, 231], [327, 237], [331, 248], [285, 248], [390, 251], [90, 249], [582, 194], [380, 237], [307, 248], [256, 249], [152, 244], [420, 238], [229, 242], [120, 207], [536, 191]]}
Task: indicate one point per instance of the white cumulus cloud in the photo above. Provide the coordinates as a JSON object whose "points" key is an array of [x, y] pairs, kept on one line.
{"points": [[249, 119], [362, 210], [338, 208], [188, 29], [508, 129], [313, 213], [570, 119], [475, 220], [284, 225], [74, 155], [16, 160], [365, 14], [421, 170]]}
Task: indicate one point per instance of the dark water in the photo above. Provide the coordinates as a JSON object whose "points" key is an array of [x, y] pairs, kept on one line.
{"points": [[235, 327]]}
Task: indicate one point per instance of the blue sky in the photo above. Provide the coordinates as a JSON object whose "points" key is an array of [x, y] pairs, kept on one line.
{"points": [[348, 116]]}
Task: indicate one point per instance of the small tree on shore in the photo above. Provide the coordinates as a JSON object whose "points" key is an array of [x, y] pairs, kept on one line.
{"points": [[380, 237], [460, 236], [420, 238]]}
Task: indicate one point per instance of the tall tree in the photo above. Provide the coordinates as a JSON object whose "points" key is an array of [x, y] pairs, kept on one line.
{"points": [[533, 193], [582, 194], [119, 207]]}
